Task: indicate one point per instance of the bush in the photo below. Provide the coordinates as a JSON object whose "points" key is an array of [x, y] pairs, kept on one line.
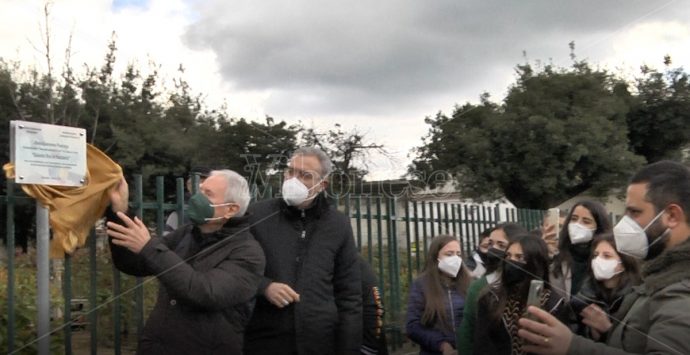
{"points": [[25, 294]]}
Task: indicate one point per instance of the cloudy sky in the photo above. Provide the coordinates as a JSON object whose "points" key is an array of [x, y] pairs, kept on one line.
{"points": [[377, 66]]}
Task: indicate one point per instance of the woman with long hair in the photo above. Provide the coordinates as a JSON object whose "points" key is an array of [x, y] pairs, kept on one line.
{"points": [[569, 266], [610, 277], [503, 303], [437, 298], [499, 238]]}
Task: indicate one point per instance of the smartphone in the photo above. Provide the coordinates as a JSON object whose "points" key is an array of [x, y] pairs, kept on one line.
{"points": [[536, 287], [554, 219]]}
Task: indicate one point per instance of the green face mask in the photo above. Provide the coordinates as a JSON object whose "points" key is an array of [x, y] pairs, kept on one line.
{"points": [[201, 210]]}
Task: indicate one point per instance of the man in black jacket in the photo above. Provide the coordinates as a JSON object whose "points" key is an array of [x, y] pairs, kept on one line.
{"points": [[208, 270], [310, 299]]}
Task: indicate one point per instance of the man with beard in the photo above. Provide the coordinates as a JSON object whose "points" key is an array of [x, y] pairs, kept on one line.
{"points": [[655, 317]]}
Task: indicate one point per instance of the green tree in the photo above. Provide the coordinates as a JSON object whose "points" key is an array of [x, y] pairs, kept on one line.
{"points": [[9, 110], [558, 133], [254, 149], [349, 150], [659, 118]]}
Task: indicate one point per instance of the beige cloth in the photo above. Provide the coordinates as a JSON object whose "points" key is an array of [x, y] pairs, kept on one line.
{"points": [[75, 210]]}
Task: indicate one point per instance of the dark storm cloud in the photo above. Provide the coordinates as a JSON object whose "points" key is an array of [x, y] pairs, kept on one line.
{"points": [[381, 56]]}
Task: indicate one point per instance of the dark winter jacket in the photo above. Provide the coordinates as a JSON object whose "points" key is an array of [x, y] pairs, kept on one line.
{"points": [[207, 286], [590, 293], [430, 338], [313, 252], [492, 338], [654, 317]]}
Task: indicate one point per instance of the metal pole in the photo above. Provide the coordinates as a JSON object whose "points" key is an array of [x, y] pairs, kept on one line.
{"points": [[10, 266], [42, 279]]}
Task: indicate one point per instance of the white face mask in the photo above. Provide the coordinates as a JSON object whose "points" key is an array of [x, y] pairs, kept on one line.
{"points": [[604, 269], [579, 234], [631, 239], [295, 192], [450, 265]]}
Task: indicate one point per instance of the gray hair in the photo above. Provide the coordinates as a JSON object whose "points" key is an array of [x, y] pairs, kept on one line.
{"points": [[237, 190], [324, 160]]}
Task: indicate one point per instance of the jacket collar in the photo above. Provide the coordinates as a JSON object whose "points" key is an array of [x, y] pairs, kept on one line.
{"points": [[233, 226], [317, 209], [668, 268], [591, 292]]}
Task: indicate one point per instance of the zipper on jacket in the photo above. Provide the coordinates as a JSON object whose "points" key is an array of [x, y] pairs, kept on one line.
{"points": [[304, 227], [452, 310]]}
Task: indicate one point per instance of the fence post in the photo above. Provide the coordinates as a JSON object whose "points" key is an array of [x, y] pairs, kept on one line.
{"points": [[93, 315], [139, 290], [358, 219], [379, 239], [392, 270], [117, 311], [369, 238], [67, 296], [407, 243], [160, 211], [416, 237], [10, 267], [423, 231], [179, 201], [43, 278]]}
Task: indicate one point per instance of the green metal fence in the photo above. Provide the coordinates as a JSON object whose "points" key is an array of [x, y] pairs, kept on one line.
{"points": [[392, 233]]}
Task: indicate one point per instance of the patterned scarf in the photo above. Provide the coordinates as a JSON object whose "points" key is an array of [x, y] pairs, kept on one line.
{"points": [[513, 311]]}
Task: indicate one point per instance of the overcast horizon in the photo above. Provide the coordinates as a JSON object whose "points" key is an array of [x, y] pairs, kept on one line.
{"points": [[379, 67]]}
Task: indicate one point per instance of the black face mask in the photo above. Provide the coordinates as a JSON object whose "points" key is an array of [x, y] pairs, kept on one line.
{"points": [[514, 273], [493, 258]]}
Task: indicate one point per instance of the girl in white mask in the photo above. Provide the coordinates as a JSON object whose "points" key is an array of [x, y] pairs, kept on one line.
{"points": [[569, 267], [437, 298], [611, 276]]}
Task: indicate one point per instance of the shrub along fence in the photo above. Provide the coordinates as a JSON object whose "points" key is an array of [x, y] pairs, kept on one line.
{"points": [[391, 232]]}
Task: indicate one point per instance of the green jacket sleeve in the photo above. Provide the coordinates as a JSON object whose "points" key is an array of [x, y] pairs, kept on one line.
{"points": [[583, 346], [465, 333], [666, 330]]}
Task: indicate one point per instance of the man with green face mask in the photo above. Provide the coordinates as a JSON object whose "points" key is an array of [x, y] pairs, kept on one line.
{"points": [[208, 270], [655, 317]]}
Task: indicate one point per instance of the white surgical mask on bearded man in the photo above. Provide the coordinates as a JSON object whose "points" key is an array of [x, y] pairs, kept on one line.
{"points": [[631, 238]]}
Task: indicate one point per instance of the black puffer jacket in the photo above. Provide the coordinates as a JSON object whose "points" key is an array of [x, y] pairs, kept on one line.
{"points": [[313, 252], [207, 286]]}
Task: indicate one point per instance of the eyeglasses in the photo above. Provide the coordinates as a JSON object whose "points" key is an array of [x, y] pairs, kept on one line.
{"points": [[301, 174]]}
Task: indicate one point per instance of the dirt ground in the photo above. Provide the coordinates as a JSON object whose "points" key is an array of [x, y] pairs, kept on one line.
{"points": [[81, 345]]}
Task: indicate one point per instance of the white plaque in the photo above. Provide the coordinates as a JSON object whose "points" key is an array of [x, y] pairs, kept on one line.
{"points": [[47, 154]]}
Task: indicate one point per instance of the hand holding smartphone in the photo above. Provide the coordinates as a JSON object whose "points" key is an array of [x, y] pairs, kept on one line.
{"points": [[554, 219], [536, 288]]}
